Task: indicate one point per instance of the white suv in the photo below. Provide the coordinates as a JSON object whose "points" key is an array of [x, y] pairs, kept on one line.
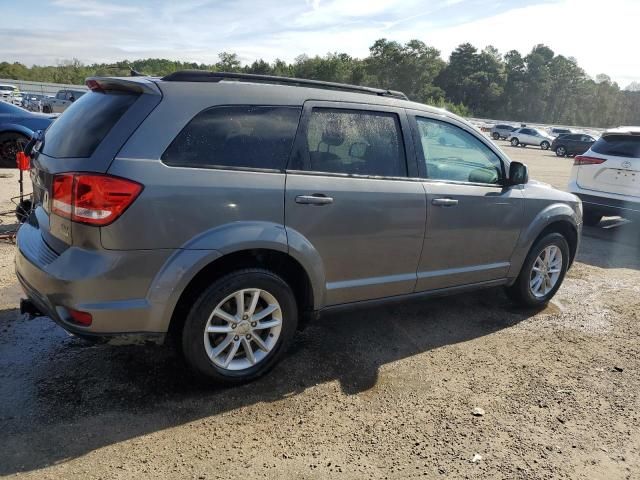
{"points": [[607, 176], [530, 136]]}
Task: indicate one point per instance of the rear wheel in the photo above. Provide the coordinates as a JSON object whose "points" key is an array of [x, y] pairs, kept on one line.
{"points": [[561, 151], [542, 272], [514, 142], [10, 144], [240, 326], [545, 145], [591, 218], [46, 109], [496, 136]]}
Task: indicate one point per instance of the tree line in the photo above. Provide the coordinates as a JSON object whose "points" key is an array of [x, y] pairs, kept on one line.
{"points": [[538, 87]]}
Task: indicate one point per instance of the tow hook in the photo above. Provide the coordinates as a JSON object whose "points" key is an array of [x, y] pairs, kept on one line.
{"points": [[28, 307]]}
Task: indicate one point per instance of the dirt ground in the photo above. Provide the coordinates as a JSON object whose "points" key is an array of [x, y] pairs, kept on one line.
{"points": [[381, 393]]}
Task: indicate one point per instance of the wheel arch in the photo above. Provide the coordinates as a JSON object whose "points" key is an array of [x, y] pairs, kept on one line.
{"points": [[558, 217], [18, 129], [279, 262]]}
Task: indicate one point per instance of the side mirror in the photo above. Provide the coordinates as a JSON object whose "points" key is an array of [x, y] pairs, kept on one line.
{"points": [[518, 173]]}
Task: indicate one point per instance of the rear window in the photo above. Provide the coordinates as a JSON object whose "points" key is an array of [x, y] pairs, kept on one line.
{"points": [[83, 125], [238, 136], [618, 146]]}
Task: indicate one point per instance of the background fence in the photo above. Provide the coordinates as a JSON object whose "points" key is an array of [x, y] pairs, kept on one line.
{"points": [[42, 88]]}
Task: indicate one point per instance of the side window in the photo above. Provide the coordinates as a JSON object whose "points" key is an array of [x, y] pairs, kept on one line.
{"points": [[61, 95], [240, 136], [354, 142], [450, 153]]}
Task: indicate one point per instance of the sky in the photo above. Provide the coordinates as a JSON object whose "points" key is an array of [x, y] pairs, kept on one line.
{"points": [[601, 35]]}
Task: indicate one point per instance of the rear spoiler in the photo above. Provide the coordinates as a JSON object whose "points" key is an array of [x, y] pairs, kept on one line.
{"points": [[123, 84]]}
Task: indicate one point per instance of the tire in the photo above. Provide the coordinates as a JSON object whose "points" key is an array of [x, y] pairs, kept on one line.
{"points": [[10, 144], [522, 291], [545, 145], [514, 142], [496, 136], [591, 218], [46, 109], [561, 151], [221, 295]]}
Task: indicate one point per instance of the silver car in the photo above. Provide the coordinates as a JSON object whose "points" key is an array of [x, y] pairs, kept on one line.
{"points": [[530, 136], [229, 209]]}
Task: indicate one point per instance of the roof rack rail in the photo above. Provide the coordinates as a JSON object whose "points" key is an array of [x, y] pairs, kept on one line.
{"points": [[207, 76]]}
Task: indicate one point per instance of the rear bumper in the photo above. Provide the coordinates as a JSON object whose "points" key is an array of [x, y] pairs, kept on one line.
{"points": [[609, 206], [110, 285]]}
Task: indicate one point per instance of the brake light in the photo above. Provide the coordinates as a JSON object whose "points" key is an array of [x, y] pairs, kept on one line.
{"points": [[81, 318], [91, 198], [584, 160], [94, 86]]}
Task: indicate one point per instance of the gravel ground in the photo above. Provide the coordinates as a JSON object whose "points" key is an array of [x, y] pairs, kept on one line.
{"points": [[381, 393]]}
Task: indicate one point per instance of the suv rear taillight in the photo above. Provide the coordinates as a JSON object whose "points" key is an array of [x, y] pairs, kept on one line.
{"points": [[584, 160], [92, 198]]}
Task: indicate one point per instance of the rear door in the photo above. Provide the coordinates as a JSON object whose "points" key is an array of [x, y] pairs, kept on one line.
{"points": [[84, 139], [473, 221], [619, 171], [349, 195]]}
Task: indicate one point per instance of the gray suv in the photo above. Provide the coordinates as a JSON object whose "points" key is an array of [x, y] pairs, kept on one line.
{"points": [[226, 209]]}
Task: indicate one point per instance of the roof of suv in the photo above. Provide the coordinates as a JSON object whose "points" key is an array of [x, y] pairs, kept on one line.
{"points": [[630, 130], [216, 88]]}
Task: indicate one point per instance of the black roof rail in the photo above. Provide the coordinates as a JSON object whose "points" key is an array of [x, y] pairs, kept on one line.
{"points": [[206, 76]]}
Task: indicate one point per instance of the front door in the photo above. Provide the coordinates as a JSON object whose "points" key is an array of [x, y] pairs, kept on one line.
{"points": [[473, 221], [349, 196]]}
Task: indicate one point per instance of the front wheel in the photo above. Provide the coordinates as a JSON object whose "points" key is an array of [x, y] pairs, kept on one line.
{"points": [[240, 326], [514, 142], [542, 272], [545, 145]]}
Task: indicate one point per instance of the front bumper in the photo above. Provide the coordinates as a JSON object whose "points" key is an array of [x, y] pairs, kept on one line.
{"points": [[110, 285]]}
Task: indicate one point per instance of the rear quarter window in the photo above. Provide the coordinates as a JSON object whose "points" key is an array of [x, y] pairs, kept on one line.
{"points": [[81, 128], [237, 137], [618, 146]]}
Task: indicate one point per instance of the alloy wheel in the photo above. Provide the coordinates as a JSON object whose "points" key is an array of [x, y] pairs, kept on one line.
{"points": [[545, 271], [243, 329]]}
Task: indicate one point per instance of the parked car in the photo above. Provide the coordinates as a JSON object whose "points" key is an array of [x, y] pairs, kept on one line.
{"points": [[571, 144], [556, 131], [501, 131], [10, 94], [62, 101], [32, 101], [17, 125], [607, 176], [530, 136], [227, 209]]}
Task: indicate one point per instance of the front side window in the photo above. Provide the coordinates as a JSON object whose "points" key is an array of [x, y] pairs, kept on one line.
{"points": [[451, 153], [239, 136], [354, 142]]}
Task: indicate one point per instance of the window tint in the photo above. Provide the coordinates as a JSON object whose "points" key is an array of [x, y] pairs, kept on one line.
{"points": [[61, 95], [354, 142], [83, 125], [618, 145], [241, 136], [450, 153]]}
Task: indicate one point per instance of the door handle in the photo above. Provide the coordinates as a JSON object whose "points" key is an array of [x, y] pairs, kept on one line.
{"points": [[444, 202], [315, 199]]}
